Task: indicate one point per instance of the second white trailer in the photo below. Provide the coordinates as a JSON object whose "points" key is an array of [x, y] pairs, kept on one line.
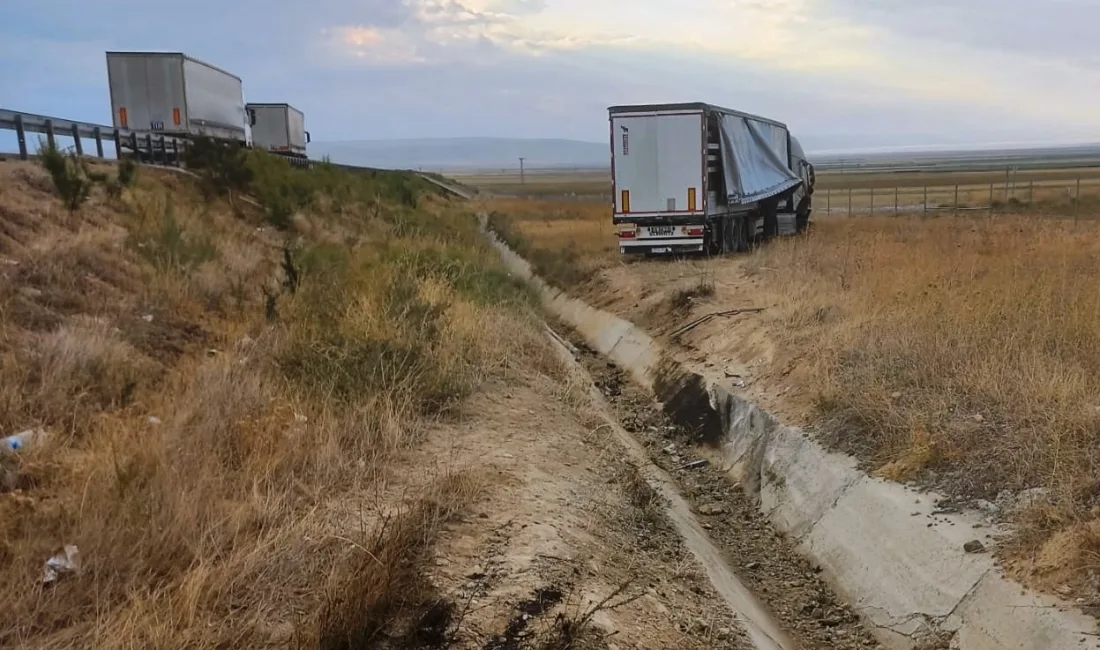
{"points": [[279, 128]]}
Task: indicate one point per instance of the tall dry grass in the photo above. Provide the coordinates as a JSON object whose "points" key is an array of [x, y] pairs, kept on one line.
{"points": [[568, 242], [962, 352], [213, 389]]}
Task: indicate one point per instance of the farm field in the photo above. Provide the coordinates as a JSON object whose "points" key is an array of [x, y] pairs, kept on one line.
{"points": [[882, 192], [953, 352]]}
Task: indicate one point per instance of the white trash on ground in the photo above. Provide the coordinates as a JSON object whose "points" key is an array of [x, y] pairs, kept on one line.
{"points": [[22, 439], [62, 564]]}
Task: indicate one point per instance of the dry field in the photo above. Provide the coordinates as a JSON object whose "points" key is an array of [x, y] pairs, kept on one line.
{"points": [[961, 353], [1048, 190], [330, 434], [543, 184]]}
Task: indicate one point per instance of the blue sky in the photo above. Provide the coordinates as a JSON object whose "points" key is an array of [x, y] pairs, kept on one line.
{"points": [[840, 72]]}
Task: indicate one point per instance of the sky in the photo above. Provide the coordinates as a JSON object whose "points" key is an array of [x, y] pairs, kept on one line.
{"points": [[842, 73]]}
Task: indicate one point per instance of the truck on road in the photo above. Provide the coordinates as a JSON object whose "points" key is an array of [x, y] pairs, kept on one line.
{"points": [[169, 93], [699, 178], [278, 128]]}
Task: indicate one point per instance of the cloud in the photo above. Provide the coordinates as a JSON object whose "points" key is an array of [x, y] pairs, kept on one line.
{"points": [[901, 72]]}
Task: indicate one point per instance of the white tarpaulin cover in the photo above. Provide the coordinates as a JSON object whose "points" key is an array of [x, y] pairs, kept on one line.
{"points": [[755, 159]]}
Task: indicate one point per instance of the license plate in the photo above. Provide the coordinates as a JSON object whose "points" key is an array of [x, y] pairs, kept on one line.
{"points": [[661, 249], [660, 231]]}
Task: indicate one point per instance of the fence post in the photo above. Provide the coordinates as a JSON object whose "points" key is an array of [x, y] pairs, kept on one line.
{"points": [[1031, 192], [1077, 201], [895, 200], [134, 146], [21, 135], [925, 204], [98, 142], [829, 201], [956, 200], [991, 199], [149, 147], [849, 202], [77, 142], [872, 201], [176, 152], [163, 150], [118, 144], [49, 134]]}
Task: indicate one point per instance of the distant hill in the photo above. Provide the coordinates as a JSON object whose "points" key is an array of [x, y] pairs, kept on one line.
{"points": [[464, 153]]}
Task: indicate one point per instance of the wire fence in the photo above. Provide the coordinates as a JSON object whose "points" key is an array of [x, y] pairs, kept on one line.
{"points": [[1059, 195]]}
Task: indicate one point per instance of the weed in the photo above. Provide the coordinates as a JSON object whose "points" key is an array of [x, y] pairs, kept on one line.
{"points": [[222, 167], [68, 175]]}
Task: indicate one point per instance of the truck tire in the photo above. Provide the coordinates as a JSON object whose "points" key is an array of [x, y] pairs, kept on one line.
{"points": [[769, 208], [802, 215], [740, 234]]}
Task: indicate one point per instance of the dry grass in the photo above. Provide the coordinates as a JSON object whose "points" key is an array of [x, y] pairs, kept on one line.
{"points": [[568, 243], [965, 353], [203, 417], [544, 184]]}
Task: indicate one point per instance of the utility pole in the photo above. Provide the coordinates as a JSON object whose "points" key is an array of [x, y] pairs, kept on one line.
{"points": [[522, 179]]}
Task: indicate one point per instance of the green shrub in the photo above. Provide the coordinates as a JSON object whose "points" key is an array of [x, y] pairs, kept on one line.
{"points": [[168, 247], [223, 168], [127, 172], [69, 178]]}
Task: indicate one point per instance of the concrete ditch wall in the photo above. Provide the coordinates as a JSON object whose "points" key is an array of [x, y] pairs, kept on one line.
{"points": [[872, 538]]}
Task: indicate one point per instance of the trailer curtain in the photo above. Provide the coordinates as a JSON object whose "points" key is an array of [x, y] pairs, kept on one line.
{"points": [[755, 159]]}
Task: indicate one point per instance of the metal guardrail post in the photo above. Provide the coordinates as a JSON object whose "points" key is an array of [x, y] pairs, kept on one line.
{"points": [[118, 144], [98, 141], [149, 146], [176, 152], [21, 135], [49, 134], [76, 140], [134, 145]]}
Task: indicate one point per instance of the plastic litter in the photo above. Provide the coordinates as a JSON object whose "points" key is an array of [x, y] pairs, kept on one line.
{"points": [[22, 439], [62, 564]]}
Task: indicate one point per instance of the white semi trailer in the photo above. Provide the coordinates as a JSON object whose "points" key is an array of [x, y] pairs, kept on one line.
{"points": [[693, 177], [278, 128], [169, 93]]}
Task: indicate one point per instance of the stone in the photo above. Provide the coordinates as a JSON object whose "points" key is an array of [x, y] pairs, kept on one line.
{"points": [[974, 546]]}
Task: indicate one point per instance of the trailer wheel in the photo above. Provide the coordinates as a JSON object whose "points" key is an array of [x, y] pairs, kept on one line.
{"points": [[769, 208], [740, 234]]}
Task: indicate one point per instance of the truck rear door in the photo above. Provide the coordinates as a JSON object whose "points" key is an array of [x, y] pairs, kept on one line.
{"points": [[658, 164]]}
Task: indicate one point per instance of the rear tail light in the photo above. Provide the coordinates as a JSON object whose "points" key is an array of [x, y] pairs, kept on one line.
{"points": [[628, 233], [695, 232]]}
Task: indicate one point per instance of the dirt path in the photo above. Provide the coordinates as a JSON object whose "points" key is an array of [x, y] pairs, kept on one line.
{"points": [[566, 547]]}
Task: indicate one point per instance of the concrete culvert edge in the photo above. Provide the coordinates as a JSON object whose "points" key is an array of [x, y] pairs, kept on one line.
{"points": [[909, 577]]}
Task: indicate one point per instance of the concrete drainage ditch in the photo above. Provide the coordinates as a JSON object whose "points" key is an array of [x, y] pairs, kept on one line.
{"points": [[908, 580]]}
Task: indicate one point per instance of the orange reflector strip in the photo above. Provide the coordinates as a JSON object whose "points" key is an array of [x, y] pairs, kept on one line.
{"points": [[176, 117], [122, 117], [626, 201], [691, 198]]}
